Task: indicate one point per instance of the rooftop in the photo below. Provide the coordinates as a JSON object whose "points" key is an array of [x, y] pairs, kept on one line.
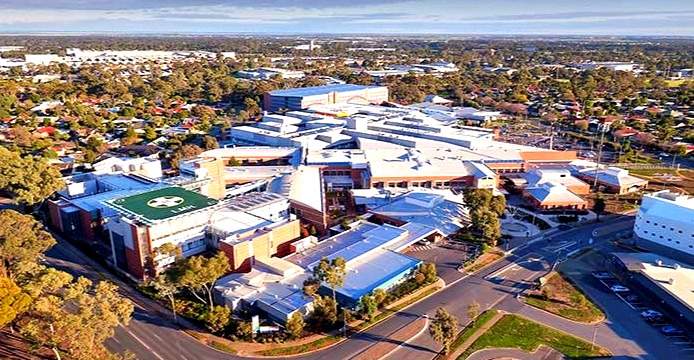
{"points": [[373, 270], [320, 90], [553, 192], [306, 187], [675, 278], [161, 204], [431, 208]]}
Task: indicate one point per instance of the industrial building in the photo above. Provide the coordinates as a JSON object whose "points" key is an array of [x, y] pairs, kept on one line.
{"points": [[665, 224], [664, 281], [302, 98]]}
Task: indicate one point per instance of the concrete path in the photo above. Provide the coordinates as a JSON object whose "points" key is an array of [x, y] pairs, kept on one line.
{"points": [[542, 353]]}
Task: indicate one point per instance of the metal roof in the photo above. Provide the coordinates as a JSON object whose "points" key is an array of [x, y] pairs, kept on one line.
{"points": [[320, 90]]}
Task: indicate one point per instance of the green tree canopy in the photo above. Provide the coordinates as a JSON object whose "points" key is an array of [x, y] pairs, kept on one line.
{"points": [[444, 329], [22, 242], [295, 325], [199, 274], [30, 180]]}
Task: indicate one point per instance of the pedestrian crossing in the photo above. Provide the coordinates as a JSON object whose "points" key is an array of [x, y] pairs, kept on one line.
{"points": [[420, 248]]}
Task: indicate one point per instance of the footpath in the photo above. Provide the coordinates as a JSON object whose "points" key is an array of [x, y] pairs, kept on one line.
{"points": [[471, 340]]}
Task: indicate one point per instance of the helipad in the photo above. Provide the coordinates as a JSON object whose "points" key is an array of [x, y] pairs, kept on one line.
{"points": [[162, 203]]}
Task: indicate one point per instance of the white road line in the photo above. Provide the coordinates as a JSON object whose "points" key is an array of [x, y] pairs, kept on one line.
{"points": [[157, 336], [421, 331], [143, 344], [512, 265]]}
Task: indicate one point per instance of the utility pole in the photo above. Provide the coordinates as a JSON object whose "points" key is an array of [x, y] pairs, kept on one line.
{"points": [[597, 165]]}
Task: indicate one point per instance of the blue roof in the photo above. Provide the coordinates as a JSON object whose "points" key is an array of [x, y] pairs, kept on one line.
{"points": [[319, 90], [374, 271]]}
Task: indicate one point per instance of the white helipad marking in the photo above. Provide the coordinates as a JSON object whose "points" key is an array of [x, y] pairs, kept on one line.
{"points": [[165, 202]]}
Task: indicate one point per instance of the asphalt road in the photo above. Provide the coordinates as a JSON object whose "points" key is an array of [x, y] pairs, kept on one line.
{"points": [[152, 336]]}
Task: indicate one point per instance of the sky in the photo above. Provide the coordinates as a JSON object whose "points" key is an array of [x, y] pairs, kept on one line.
{"points": [[499, 17]]}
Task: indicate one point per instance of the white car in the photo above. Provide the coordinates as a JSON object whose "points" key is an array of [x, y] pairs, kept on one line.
{"points": [[651, 313], [619, 288]]}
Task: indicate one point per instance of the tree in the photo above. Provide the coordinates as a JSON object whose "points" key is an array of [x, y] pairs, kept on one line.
{"points": [[199, 275], [295, 325], [209, 142], [497, 204], [473, 311], [486, 223], [217, 318], [13, 301], [22, 242], [72, 320], [150, 133], [429, 272], [599, 207], [167, 287], [368, 306], [380, 296], [477, 198], [332, 272], [30, 180], [444, 329]]}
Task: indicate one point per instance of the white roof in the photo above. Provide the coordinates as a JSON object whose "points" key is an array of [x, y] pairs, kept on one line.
{"points": [[307, 187], [552, 192]]}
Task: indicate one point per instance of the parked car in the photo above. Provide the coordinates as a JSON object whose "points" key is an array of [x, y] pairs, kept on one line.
{"points": [[631, 298], [602, 275], [671, 330], [656, 320], [651, 313], [563, 227], [619, 288]]}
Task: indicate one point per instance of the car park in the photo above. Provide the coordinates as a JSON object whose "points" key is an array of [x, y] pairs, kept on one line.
{"points": [[651, 313], [671, 330], [619, 288], [656, 320], [602, 275], [632, 298]]}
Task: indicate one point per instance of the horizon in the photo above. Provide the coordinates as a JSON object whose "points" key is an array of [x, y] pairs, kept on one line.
{"points": [[387, 17]]}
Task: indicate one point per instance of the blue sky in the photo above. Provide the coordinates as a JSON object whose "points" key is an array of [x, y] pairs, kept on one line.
{"points": [[555, 17]]}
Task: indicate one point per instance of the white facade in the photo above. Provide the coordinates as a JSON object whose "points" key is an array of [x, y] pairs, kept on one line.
{"points": [[667, 219]]}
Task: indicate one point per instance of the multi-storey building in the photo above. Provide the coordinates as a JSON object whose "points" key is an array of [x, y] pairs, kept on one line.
{"points": [[665, 224]]}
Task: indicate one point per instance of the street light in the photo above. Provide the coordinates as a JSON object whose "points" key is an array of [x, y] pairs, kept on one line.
{"points": [[602, 128]]}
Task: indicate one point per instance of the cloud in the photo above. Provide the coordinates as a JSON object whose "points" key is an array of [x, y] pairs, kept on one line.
{"points": [[333, 16]]}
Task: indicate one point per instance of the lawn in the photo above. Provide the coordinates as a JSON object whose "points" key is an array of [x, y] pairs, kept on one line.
{"points": [[513, 331], [565, 300], [482, 261], [300, 349], [470, 330]]}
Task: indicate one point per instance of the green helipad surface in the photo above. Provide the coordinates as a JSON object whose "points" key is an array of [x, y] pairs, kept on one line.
{"points": [[163, 203]]}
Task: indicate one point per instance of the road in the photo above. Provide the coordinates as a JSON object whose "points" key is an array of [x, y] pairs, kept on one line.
{"points": [[152, 336]]}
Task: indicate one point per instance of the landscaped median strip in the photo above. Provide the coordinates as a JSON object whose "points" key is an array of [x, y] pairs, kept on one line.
{"points": [[461, 342], [558, 296], [513, 331]]}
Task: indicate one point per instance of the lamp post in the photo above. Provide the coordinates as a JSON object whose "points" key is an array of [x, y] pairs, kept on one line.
{"points": [[602, 130]]}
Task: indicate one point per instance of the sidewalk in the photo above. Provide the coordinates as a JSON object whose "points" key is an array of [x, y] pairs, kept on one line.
{"points": [[471, 340], [541, 353]]}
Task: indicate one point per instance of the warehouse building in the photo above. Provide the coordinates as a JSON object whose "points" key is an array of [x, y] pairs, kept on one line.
{"points": [[302, 98]]}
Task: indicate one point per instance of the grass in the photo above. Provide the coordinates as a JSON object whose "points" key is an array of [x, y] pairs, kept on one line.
{"points": [[300, 349], [651, 172], [222, 347], [486, 259], [470, 330], [565, 300], [513, 331]]}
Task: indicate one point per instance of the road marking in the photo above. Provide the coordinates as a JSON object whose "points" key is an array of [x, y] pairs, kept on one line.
{"points": [[421, 331], [514, 265], [157, 336], [184, 358], [143, 344]]}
